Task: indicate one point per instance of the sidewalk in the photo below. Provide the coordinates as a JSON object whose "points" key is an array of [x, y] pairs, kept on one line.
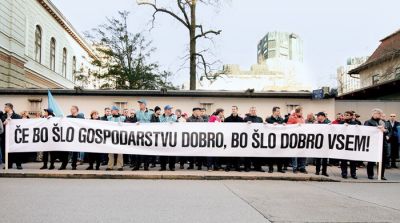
{"points": [[31, 170]]}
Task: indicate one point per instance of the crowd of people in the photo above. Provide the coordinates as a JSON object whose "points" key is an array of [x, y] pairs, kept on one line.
{"points": [[145, 115]]}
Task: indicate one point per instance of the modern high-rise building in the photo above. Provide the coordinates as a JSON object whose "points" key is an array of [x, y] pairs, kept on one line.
{"points": [[281, 45], [346, 82]]}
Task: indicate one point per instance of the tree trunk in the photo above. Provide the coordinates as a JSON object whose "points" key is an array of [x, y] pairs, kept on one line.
{"points": [[192, 52]]}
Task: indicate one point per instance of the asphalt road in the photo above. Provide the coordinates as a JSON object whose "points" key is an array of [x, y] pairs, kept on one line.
{"points": [[99, 200]]}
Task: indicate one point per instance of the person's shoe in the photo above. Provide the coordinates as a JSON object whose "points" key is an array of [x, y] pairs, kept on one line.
{"points": [[354, 177], [303, 171], [89, 168], [281, 171], [317, 173], [152, 166], [97, 168], [199, 168], [172, 169], [163, 169], [383, 178], [260, 170], [74, 168], [43, 167], [295, 171], [325, 174], [62, 168], [209, 169], [181, 167], [19, 168], [246, 169], [120, 169], [285, 168], [135, 168], [344, 177], [227, 169], [191, 167], [146, 168], [238, 170], [270, 171], [370, 177], [52, 167], [109, 169]]}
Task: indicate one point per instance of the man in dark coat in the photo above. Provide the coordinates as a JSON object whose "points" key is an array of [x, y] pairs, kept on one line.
{"points": [[196, 117], [321, 119], [257, 162], [9, 114], [348, 120], [233, 161], [393, 140], [376, 121], [275, 119]]}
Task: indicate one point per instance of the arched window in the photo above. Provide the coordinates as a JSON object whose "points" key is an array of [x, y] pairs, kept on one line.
{"points": [[64, 63], [38, 44], [73, 68], [53, 54]]}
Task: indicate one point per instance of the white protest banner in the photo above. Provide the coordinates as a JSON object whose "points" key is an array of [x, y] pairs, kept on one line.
{"points": [[196, 139]]}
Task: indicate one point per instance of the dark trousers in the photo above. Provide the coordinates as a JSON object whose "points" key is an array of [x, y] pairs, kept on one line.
{"points": [[344, 165], [213, 162], [370, 165], [198, 161], [182, 160], [171, 160], [15, 158], [94, 157], [370, 169], [394, 152], [64, 156], [257, 162], [139, 159], [232, 162], [53, 157], [277, 161], [319, 162]]}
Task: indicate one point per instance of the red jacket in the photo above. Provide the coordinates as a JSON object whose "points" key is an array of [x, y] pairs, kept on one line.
{"points": [[294, 119]]}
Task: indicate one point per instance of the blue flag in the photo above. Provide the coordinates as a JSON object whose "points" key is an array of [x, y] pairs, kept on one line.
{"points": [[53, 105]]}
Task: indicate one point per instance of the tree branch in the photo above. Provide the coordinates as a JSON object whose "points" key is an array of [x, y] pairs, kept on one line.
{"points": [[204, 34], [164, 10]]}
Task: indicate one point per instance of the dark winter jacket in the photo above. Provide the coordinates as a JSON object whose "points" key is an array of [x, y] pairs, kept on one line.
{"points": [[234, 118]]}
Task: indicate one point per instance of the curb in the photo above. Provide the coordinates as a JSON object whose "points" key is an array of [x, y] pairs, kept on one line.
{"points": [[162, 177]]}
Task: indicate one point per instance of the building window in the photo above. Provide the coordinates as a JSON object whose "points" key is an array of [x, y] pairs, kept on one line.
{"points": [[64, 63], [121, 104], [38, 44], [207, 106], [35, 107], [53, 54], [290, 107], [375, 79], [73, 68]]}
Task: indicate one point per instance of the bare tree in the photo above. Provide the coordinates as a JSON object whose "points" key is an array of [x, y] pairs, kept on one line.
{"points": [[186, 15]]}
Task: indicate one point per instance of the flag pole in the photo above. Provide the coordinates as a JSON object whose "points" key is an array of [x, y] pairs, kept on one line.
{"points": [[6, 149]]}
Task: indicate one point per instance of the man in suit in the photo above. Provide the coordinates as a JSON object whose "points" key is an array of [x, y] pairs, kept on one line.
{"points": [[393, 140], [9, 114]]}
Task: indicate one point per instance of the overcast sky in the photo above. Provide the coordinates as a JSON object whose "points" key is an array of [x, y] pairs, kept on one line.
{"points": [[331, 31]]}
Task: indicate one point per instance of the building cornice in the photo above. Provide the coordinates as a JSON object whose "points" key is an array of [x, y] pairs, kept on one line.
{"points": [[160, 93], [58, 16]]}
